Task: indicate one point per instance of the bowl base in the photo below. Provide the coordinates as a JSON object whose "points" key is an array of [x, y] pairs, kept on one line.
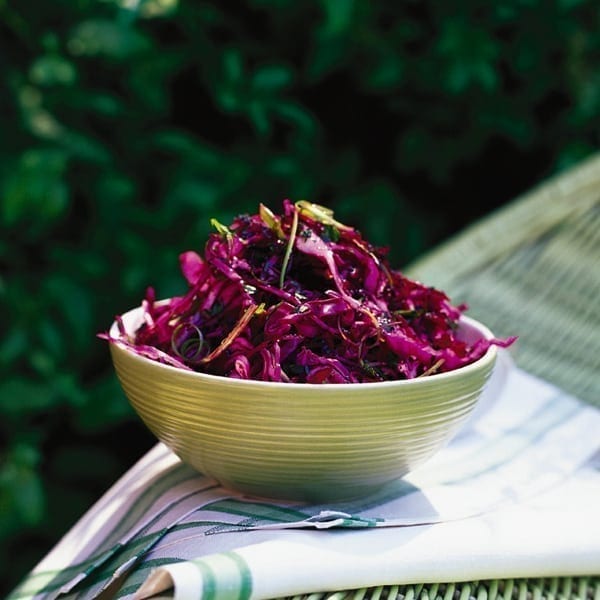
{"points": [[317, 493]]}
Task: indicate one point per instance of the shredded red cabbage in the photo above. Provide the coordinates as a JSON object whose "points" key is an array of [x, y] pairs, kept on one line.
{"points": [[301, 298]]}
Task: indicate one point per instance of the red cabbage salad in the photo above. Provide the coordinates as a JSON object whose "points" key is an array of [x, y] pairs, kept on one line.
{"points": [[300, 298]]}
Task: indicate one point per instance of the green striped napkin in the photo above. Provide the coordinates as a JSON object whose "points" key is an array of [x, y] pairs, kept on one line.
{"points": [[515, 494]]}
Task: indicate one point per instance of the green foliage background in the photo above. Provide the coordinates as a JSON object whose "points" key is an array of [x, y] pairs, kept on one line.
{"points": [[126, 124]]}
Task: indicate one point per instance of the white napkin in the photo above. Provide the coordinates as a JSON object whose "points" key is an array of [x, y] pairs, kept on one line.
{"points": [[515, 495]]}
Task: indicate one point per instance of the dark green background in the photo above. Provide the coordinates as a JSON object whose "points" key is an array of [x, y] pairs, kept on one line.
{"points": [[125, 125]]}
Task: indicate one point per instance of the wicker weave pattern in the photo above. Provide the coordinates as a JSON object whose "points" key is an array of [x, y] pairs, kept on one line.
{"points": [[555, 588], [543, 286]]}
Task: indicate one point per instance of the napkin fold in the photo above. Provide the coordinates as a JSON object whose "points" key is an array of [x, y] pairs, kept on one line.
{"points": [[515, 494], [558, 533]]}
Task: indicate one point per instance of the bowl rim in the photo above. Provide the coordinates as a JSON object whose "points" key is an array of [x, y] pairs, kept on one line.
{"points": [[483, 361]]}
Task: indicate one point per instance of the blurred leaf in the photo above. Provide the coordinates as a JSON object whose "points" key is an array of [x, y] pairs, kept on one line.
{"points": [[232, 65], [37, 118], [386, 73], [469, 52], [13, 346], [338, 15], [84, 147], [98, 37], [283, 166], [102, 103], [413, 144], [188, 148], [35, 190], [281, 4], [325, 56], [588, 98], [270, 78], [298, 116], [157, 8], [107, 407], [200, 194], [52, 69], [496, 118], [570, 4], [113, 190], [19, 396], [150, 79], [333, 41], [74, 302], [572, 154], [258, 113], [21, 491]]}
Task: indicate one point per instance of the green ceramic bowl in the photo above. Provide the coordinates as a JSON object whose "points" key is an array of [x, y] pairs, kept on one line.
{"points": [[301, 441]]}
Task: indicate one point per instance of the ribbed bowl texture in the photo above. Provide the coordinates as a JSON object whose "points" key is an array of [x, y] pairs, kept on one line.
{"points": [[312, 442]]}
